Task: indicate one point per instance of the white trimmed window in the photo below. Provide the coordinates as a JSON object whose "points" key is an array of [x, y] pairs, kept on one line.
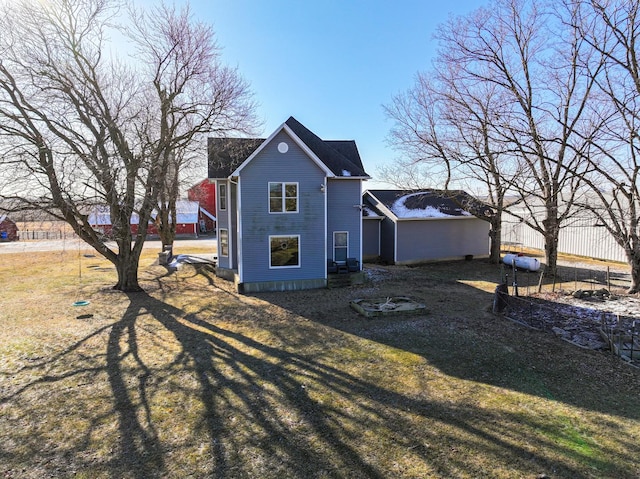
{"points": [[222, 196], [340, 246], [283, 197], [224, 242], [284, 251]]}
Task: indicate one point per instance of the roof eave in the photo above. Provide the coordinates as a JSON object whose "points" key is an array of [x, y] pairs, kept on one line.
{"points": [[431, 218], [364, 178], [296, 140], [382, 207]]}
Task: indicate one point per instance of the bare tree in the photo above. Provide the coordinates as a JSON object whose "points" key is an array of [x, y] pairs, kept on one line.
{"points": [[192, 93], [79, 129], [474, 111], [611, 28], [444, 125], [517, 53], [421, 135]]}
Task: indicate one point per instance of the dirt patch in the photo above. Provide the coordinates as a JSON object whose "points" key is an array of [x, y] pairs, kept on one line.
{"points": [[590, 319], [580, 310]]}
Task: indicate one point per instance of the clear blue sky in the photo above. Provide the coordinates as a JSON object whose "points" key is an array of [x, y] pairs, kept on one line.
{"points": [[331, 64]]}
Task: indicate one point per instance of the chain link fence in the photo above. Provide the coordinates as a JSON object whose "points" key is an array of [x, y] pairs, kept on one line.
{"points": [[578, 305]]}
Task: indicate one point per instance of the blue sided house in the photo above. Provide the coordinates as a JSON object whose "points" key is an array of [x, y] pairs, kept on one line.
{"points": [[288, 208]]}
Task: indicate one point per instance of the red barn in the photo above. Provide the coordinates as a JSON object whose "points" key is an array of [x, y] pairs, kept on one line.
{"points": [[8, 229], [205, 194]]}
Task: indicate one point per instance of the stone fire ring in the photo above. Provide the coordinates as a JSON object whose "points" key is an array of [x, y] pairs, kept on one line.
{"points": [[372, 307]]}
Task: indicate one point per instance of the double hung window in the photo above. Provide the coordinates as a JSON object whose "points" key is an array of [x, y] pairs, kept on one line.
{"points": [[283, 197]]}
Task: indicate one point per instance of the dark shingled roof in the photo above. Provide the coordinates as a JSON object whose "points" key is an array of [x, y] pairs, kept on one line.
{"points": [[340, 156], [226, 154], [451, 203]]}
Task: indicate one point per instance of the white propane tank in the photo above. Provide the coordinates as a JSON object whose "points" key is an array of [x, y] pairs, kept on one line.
{"points": [[522, 262]]}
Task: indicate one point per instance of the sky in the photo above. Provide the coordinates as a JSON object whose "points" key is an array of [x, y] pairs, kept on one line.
{"points": [[331, 64]]}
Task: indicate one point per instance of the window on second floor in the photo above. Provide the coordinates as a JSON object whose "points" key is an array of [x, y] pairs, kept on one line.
{"points": [[222, 196], [283, 197]]}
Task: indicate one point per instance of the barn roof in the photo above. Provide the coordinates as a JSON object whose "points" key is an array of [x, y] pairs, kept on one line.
{"points": [[186, 212]]}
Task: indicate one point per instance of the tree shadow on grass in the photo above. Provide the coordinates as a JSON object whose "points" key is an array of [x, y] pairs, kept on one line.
{"points": [[261, 397], [275, 397], [461, 338], [232, 372]]}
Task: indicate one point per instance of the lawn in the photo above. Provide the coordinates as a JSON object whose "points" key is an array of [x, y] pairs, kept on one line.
{"points": [[190, 379]]}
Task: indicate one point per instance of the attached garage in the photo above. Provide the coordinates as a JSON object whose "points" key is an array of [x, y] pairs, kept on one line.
{"points": [[426, 225], [371, 227]]}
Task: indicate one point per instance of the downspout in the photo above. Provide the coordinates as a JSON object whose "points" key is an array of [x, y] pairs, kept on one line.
{"points": [[324, 188], [217, 224], [361, 224], [395, 241], [238, 241]]}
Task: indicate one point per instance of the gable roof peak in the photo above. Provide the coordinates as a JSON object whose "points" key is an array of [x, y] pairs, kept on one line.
{"points": [[339, 158]]}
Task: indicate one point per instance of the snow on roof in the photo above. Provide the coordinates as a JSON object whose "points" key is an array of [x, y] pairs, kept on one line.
{"points": [[369, 212], [346, 173], [400, 209]]}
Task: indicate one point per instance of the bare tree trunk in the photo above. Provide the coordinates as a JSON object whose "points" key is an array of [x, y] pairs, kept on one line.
{"points": [[635, 275], [551, 235], [632, 252], [167, 215], [127, 262], [551, 254], [166, 222], [127, 268], [495, 236]]}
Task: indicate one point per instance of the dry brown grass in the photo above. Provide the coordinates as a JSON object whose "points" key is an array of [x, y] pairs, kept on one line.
{"points": [[192, 380]]}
